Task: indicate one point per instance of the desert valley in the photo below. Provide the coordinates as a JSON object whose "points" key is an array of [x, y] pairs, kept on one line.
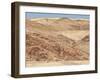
{"points": [[56, 41]]}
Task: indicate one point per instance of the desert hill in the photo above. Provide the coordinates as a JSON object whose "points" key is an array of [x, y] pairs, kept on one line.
{"points": [[58, 24], [56, 48]]}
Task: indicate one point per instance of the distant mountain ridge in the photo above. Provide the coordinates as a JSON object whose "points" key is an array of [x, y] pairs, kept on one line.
{"points": [[58, 23]]}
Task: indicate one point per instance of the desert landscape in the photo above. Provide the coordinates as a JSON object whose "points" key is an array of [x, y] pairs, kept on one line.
{"points": [[56, 42]]}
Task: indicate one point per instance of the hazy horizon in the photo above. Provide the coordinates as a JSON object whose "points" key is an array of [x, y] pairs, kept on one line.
{"points": [[33, 15]]}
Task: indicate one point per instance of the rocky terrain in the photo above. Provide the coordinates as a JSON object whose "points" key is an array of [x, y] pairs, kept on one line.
{"points": [[57, 40]]}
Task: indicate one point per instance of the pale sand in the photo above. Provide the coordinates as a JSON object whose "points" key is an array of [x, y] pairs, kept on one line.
{"points": [[59, 63], [75, 34]]}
